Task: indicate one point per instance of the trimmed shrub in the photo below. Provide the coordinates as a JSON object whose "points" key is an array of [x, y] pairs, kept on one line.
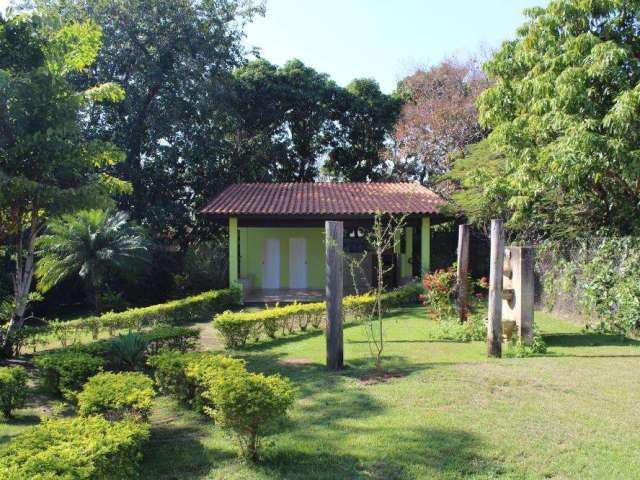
{"points": [[65, 371], [182, 339], [116, 396], [248, 405], [186, 376], [79, 449], [169, 374], [237, 328], [13, 389]]}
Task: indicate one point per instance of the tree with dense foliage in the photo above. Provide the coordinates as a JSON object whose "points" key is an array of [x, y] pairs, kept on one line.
{"points": [[174, 60], [439, 118], [91, 244], [47, 165], [477, 175], [367, 119], [565, 110], [310, 100]]}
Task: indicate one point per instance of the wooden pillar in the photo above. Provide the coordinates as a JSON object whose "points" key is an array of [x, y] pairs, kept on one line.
{"points": [[233, 251], [425, 246], [463, 272], [494, 325], [334, 287]]}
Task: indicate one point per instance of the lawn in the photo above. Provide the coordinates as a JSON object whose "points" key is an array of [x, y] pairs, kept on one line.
{"points": [[446, 412]]}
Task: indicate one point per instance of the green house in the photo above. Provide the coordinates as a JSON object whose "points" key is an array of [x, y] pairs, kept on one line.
{"points": [[276, 234]]}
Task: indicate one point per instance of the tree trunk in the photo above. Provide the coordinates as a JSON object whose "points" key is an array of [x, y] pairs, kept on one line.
{"points": [[23, 277]]}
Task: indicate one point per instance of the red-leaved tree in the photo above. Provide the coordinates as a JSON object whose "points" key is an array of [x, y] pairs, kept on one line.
{"points": [[439, 118]]}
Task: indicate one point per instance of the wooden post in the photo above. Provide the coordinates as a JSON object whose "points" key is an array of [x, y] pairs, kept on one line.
{"points": [[494, 325], [334, 276], [463, 272]]}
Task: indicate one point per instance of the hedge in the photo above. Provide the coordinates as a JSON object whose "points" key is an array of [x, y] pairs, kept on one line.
{"points": [[237, 328], [196, 308], [79, 449]]}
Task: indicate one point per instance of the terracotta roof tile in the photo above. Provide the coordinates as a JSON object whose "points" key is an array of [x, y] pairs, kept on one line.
{"points": [[324, 199]]}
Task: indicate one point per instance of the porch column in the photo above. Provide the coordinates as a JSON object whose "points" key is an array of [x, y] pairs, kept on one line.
{"points": [[425, 245], [233, 251], [408, 249]]}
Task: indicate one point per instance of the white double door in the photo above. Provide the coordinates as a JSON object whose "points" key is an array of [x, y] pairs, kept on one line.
{"points": [[297, 263]]}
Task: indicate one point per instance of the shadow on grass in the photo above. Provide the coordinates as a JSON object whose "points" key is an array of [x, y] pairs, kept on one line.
{"points": [[418, 453], [269, 343], [588, 340], [177, 452]]}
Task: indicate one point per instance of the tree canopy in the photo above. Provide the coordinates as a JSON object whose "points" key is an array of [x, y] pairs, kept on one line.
{"points": [[47, 165], [565, 110]]}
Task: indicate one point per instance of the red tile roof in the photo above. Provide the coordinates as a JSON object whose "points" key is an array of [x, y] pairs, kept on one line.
{"points": [[324, 199]]}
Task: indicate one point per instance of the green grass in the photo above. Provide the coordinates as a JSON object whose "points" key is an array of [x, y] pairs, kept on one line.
{"points": [[449, 412]]}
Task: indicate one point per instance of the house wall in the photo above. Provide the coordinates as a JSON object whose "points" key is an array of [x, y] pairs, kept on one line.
{"points": [[252, 249]]}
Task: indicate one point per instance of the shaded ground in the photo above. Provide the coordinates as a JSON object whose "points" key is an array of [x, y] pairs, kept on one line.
{"points": [[447, 413]]}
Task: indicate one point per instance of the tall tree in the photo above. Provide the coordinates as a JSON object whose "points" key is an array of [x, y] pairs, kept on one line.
{"points": [[174, 60], [565, 108], [47, 165], [439, 118], [367, 119], [310, 118]]}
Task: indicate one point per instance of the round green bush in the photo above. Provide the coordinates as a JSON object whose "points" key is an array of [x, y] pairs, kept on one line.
{"points": [[249, 405], [117, 395], [187, 375], [13, 389], [66, 371]]}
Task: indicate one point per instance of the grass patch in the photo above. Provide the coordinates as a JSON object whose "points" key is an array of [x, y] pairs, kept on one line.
{"points": [[446, 412]]}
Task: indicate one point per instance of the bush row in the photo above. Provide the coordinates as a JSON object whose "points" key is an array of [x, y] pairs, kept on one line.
{"points": [[78, 448], [65, 371], [197, 308], [247, 404], [237, 328]]}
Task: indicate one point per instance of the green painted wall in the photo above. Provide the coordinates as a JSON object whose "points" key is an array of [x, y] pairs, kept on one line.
{"points": [[252, 248], [233, 251]]}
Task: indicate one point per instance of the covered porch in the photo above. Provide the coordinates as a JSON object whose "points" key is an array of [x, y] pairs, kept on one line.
{"points": [[282, 296], [277, 240]]}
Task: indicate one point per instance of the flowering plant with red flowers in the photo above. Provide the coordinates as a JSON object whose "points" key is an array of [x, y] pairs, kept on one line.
{"points": [[439, 293]]}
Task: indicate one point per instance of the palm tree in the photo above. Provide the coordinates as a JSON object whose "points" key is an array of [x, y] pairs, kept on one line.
{"points": [[90, 243]]}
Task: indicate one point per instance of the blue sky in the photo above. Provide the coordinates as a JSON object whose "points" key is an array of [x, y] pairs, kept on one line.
{"points": [[381, 39]]}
